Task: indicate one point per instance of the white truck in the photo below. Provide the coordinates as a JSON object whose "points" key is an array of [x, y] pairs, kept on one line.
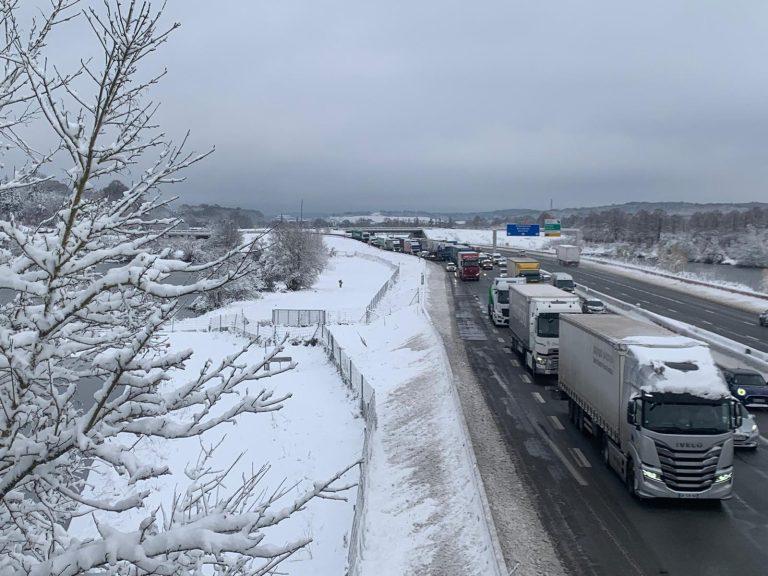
{"points": [[534, 317], [498, 299], [568, 254], [655, 401]]}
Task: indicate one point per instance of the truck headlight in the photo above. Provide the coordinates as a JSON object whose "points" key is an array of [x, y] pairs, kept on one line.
{"points": [[725, 477], [741, 391], [651, 475], [754, 427]]}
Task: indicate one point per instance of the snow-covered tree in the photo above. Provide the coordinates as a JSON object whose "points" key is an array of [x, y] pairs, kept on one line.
{"points": [[298, 255], [91, 299]]}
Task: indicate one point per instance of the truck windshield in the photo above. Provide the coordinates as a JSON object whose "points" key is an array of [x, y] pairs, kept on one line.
{"points": [[748, 380], [502, 296], [548, 325], [564, 284], [678, 418], [469, 262]]}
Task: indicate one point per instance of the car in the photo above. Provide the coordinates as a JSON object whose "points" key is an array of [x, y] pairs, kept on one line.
{"points": [[545, 276], [763, 318], [486, 264], [593, 306], [747, 435], [451, 267], [746, 385]]}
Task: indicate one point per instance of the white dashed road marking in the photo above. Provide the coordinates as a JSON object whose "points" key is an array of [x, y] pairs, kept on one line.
{"points": [[538, 397], [556, 423], [581, 460], [500, 339], [526, 378]]}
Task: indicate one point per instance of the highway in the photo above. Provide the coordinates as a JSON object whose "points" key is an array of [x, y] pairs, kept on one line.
{"points": [[598, 528]]}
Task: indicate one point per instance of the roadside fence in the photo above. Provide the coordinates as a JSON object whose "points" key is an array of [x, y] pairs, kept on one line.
{"points": [[358, 384]]}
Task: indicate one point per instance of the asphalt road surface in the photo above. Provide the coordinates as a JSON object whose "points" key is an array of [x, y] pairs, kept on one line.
{"points": [[598, 528]]}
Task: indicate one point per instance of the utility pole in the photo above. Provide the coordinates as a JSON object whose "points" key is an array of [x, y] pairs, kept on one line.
{"points": [[301, 214]]}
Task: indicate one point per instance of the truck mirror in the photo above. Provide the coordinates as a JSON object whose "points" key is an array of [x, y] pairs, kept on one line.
{"points": [[631, 412], [738, 419]]}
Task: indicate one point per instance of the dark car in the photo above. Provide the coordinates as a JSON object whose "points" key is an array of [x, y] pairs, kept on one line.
{"points": [[763, 318], [486, 264], [747, 385]]}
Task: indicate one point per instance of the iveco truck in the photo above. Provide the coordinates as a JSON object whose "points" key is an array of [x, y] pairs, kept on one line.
{"points": [[656, 402], [498, 299], [534, 315], [527, 268]]}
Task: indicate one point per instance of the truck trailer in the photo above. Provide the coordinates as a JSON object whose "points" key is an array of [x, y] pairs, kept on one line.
{"points": [[527, 268], [568, 254], [498, 299], [655, 401], [534, 314]]}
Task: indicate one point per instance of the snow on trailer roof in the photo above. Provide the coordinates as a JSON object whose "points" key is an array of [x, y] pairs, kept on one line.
{"points": [[658, 359], [542, 291]]}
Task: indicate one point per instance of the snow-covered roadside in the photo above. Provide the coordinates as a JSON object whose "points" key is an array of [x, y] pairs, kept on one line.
{"points": [[297, 442], [424, 510], [721, 295], [485, 238]]}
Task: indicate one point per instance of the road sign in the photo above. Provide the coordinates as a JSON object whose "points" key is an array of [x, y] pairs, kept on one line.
{"points": [[551, 227], [523, 229]]}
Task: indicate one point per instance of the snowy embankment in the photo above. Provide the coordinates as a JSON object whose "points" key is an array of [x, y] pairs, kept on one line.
{"points": [[485, 238], [424, 508]]}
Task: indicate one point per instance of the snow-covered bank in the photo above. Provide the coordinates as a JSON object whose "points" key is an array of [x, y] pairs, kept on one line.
{"points": [[723, 294], [485, 238], [297, 443]]}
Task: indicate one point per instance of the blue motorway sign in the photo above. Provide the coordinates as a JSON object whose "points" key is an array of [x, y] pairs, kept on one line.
{"points": [[523, 230]]}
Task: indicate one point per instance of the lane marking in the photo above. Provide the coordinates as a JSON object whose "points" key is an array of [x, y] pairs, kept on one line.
{"points": [[556, 422], [500, 339], [526, 378], [538, 397], [567, 463], [515, 362], [581, 460], [763, 439], [707, 323]]}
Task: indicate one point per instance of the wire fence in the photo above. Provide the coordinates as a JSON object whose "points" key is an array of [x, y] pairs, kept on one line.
{"points": [[359, 385]]}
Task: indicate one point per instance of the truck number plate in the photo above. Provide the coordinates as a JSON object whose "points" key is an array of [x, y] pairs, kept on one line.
{"points": [[760, 400]]}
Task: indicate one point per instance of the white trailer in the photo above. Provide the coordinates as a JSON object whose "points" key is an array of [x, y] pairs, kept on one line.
{"points": [[568, 254], [655, 402], [534, 314]]}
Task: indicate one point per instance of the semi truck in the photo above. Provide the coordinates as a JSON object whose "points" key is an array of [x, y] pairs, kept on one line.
{"points": [[468, 265], [527, 268], [498, 299], [656, 403], [568, 254], [534, 318]]}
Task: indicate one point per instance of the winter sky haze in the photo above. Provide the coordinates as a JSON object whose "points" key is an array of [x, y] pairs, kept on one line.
{"points": [[465, 106]]}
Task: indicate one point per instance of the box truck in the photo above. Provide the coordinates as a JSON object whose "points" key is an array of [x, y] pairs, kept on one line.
{"points": [[527, 268], [568, 255], [534, 314], [498, 299], [656, 403]]}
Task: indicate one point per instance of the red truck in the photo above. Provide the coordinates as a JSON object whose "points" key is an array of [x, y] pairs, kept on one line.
{"points": [[468, 265]]}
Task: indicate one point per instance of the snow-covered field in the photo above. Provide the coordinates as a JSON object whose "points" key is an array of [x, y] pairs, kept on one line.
{"points": [[485, 238], [297, 443]]}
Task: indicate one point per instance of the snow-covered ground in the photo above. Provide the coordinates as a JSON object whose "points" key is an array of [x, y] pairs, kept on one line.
{"points": [[424, 511], [317, 433], [485, 238]]}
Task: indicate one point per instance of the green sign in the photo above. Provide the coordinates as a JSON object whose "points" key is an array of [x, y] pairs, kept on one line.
{"points": [[551, 227]]}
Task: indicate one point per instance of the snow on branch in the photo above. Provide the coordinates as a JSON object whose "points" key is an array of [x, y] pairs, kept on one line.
{"points": [[93, 293]]}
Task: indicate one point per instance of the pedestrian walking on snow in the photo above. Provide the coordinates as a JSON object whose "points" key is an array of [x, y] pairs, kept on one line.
{"points": [[340, 283]]}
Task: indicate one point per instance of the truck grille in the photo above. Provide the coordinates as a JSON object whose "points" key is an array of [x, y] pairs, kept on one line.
{"points": [[505, 312], [688, 470]]}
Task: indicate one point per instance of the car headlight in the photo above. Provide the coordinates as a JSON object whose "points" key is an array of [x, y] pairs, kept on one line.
{"points": [[725, 477], [754, 427], [651, 475], [741, 392]]}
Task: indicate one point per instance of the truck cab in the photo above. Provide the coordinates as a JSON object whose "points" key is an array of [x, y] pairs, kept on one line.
{"points": [[498, 299]]}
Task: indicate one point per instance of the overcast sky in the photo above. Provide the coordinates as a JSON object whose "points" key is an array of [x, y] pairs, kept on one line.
{"points": [[447, 105]]}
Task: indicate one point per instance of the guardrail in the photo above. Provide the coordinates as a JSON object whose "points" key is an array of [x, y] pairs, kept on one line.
{"points": [[357, 382], [749, 356]]}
